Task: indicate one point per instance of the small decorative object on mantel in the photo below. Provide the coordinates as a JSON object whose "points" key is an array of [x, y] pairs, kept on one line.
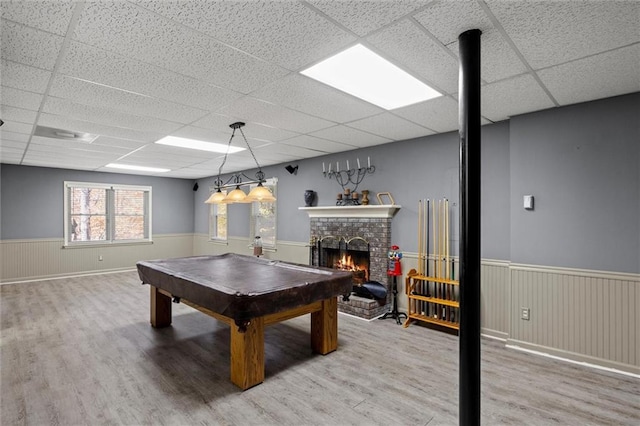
{"points": [[348, 198], [380, 196], [365, 197], [346, 177], [309, 197]]}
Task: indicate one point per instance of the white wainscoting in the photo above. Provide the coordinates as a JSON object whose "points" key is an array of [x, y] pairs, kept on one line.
{"points": [[24, 260], [583, 315], [589, 316]]}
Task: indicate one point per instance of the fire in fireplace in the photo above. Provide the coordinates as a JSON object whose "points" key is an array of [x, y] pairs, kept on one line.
{"points": [[345, 254], [349, 260]]}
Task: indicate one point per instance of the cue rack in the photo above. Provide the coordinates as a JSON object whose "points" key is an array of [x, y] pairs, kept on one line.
{"points": [[433, 290]]}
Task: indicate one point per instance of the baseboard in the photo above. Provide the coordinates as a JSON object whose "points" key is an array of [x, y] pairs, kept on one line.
{"points": [[65, 276], [575, 358], [494, 334]]}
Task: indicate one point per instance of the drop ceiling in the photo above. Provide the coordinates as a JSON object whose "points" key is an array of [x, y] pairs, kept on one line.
{"points": [[132, 72]]}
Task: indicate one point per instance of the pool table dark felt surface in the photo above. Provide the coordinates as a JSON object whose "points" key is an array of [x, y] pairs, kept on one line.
{"points": [[244, 287]]}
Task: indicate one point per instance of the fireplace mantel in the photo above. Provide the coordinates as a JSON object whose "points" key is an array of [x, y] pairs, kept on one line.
{"points": [[378, 211]]}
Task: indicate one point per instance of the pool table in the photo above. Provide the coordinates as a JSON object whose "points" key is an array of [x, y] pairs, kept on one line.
{"points": [[248, 293]]}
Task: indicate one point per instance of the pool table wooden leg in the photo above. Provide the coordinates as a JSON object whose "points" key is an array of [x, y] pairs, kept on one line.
{"points": [[324, 327], [160, 308], [247, 354]]}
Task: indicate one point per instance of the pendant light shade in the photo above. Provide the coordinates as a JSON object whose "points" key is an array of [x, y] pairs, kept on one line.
{"points": [[216, 197], [236, 196], [259, 193]]}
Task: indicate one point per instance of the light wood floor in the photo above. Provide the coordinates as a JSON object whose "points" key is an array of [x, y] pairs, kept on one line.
{"points": [[81, 351]]}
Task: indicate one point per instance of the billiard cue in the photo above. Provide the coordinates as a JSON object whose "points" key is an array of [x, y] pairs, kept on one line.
{"points": [[441, 242], [446, 251], [435, 251], [426, 239], [420, 271]]}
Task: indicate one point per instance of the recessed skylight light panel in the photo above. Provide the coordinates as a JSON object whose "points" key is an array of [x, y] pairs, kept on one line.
{"points": [[196, 144], [368, 76]]}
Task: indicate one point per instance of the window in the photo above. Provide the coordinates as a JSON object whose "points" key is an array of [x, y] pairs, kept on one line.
{"points": [[263, 218], [217, 219], [97, 213]]}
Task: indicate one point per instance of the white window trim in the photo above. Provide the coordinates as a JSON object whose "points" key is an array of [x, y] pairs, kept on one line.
{"points": [[66, 213], [216, 239], [267, 247]]}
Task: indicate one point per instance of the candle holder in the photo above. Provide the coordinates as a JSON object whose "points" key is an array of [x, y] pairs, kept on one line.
{"points": [[348, 177]]}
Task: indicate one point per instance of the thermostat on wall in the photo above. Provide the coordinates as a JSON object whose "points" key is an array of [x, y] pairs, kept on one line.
{"points": [[528, 202]]}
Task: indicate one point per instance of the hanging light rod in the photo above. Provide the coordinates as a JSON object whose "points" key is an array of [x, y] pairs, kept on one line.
{"points": [[259, 193]]}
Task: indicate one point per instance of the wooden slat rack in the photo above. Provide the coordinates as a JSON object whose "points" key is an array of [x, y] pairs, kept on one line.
{"points": [[432, 300]]}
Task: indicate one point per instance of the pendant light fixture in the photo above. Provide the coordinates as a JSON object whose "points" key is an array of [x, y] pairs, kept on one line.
{"points": [[258, 193]]}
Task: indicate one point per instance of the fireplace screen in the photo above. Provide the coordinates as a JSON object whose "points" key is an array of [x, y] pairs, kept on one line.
{"points": [[347, 255]]}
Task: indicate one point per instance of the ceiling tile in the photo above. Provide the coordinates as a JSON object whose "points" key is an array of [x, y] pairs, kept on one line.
{"points": [[15, 127], [433, 64], [297, 35], [253, 131], [29, 46], [446, 20], [318, 144], [125, 144], [499, 60], [390, 126], [62, 163], [19, 76], [11, 136], [507, 98], [20, 98], [591, 78], [548, 33], [258, 111], [363, 17], [287, 152], [20, 115], [99, 115], [135, 32], [111, 69], [311, 97], [66, 123], [350, 136], [10, 157], [51, 16], [439, 114], [87, 93], [39, 143], [12, 146]]}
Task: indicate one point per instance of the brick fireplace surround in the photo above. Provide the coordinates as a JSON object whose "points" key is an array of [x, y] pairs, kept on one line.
{"points": [[372, 223]]}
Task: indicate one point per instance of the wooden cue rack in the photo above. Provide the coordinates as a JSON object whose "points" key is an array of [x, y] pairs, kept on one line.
{"points": [[432, 290]]}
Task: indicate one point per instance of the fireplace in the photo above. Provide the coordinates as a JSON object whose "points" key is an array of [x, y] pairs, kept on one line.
{"points": [[355, 238], [346, 254]]}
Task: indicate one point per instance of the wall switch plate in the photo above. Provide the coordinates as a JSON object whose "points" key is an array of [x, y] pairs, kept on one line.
{"points": [[528, 202], [525, 314]]}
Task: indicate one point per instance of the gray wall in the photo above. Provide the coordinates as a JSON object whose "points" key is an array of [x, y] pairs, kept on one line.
{"points": [[581, 163], [496, 217], [32, 200], [410, 170]]}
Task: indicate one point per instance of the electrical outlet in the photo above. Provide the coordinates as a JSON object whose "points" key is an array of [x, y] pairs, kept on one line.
{"points": [[100, 258], [525, 314]]}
